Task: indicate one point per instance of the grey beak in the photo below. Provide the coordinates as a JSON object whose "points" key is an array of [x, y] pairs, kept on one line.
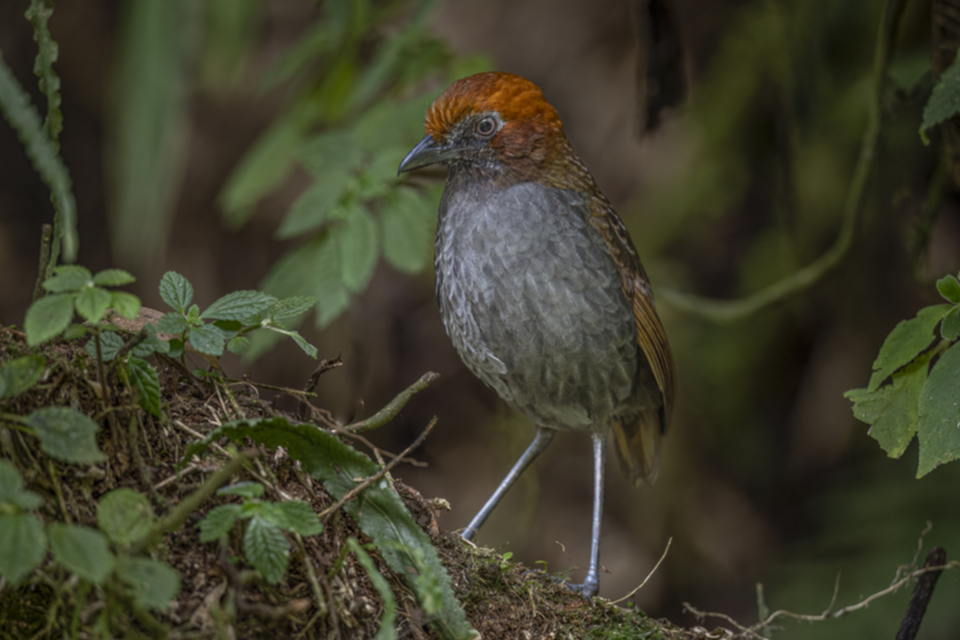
{"points": [[426, 153]]}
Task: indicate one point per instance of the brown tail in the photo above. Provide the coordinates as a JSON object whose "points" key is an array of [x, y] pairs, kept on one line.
{"points": [[636, 440]]}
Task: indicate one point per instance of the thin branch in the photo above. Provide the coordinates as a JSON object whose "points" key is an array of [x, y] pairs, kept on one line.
{"points": [[390, 411], [649, 575], [733, 310]]}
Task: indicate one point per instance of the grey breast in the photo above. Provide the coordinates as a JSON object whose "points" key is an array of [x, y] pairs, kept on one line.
{"points": [[532, 301]]}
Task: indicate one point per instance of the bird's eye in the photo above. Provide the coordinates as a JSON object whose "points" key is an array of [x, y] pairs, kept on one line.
{"points": [[487, 126]]}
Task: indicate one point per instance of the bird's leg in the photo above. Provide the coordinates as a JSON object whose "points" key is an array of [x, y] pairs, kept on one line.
{"points": [[540, 442], [591, 584]]}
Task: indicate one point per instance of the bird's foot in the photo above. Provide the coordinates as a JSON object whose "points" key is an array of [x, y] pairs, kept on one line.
{"points": [[588, 588]]}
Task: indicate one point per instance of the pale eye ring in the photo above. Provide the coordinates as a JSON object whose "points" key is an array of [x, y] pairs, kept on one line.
{"points": [[487, 127]]}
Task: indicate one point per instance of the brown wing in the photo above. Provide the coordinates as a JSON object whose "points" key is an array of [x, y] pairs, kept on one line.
{"points": [[637, 437]]}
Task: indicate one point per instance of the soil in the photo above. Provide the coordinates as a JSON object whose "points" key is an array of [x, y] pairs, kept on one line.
{"points": [[220, 595]]}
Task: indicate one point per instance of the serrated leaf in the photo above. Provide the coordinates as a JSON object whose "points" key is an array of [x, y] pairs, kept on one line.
{"points": [[125, 516], [12, 491], [172, 322], [23, 544], [207, 339], [308, 348], [113, 278], [66, 435], [242, 489], [81, 550], [315, 205], [905, 342], [238, 345], [152, 584], [893, 409], [146, 381], [239, 305], [151, 344], [176, 291], [69, 277], [18, 375], [383, 516], [387, 630], [357, 238], [408, 230], [126, 304], [266, 549], [290, 307], [110, 345], [939, 426], [296, 516], [950, 325], [218, 522], [944, 101], [48, 317], [92, 303]]}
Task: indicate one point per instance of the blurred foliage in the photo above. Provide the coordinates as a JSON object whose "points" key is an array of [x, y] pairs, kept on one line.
{"points": [[148, 157], [358, 71]]}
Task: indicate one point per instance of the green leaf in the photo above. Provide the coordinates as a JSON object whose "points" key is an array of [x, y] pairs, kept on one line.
{"points": [[950, 326], [295, 516], [949, 288], [176, 291], [110, 345], [126, 304], [113, 278], [893, 409], [242, 489], [176, 348], [43, 153], [290, 307], [66, 435], [939, 427], [208, 339], [944, 102], [266, 549], [308, 348], [219, 522], [125, 516], [316, 204], [22, 545], [331, 154], [378, 510], [12, 491], [408, 230], [151, 344], [75, 331], [18, 375], [48, 317], [68, 278], [262, 169], [81, 550], [239, 305], [153, 584], [358, 248], [146, 381], [92, 303], [238, 345], [48, 51], [172, 322], [387, 630], [907, 339]]}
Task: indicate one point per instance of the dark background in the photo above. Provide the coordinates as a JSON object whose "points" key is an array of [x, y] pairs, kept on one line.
{"points": [[766, 477]]}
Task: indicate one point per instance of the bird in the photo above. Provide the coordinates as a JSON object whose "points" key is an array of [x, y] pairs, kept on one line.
{"points": [[540, 286]]}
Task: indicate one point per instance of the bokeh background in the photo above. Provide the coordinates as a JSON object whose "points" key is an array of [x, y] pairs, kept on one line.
{"points": [[767, 477]]}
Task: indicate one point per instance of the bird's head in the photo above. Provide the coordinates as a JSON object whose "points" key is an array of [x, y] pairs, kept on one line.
{"points": [[496, 124]]}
